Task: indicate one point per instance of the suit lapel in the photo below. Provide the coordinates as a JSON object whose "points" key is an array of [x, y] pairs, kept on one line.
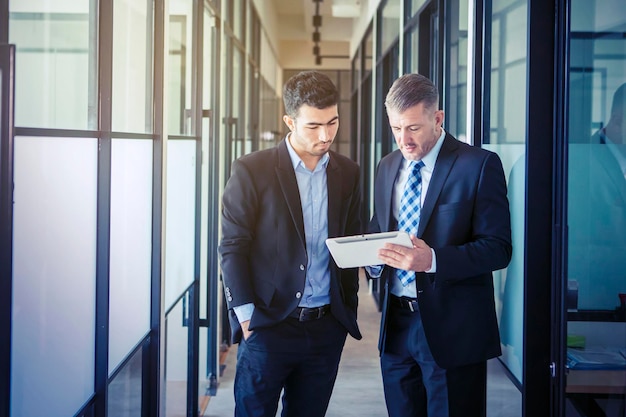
{"points": [[445, 161], [387, 192], [289, 187], [333, 176]]}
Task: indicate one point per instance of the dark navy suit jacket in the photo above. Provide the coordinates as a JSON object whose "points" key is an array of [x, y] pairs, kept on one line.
{"points": [[465, 219], [263, 251]]}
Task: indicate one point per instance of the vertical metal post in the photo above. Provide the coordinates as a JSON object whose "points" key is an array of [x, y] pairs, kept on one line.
{"points": [[7, 84]]}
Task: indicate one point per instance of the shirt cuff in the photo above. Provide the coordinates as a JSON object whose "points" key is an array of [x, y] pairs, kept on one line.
{"points": [[244, 312], [374, 271], [433, 266]]}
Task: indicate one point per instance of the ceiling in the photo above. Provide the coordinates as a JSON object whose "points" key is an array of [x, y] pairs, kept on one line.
{"points": [[295, 28], [295, 19]]}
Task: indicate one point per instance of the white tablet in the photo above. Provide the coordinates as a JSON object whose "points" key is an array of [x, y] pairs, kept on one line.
{"points": [[362, 250]]}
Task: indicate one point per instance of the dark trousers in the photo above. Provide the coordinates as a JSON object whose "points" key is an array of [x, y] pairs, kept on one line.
{"points": [[301, 358], [415, 386]]}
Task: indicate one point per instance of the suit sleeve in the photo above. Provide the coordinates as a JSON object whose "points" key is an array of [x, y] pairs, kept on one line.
{"points": [[239, 213], [487, 246], [354, 227], [374, 225]]}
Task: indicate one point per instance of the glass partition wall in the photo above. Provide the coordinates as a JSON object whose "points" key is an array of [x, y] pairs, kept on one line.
{"points": [[88, 192], [116, 294], [595, 287]]}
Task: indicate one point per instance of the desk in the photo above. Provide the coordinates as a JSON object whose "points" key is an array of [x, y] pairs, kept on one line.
{"points": [[596, 382], [584, 386]]}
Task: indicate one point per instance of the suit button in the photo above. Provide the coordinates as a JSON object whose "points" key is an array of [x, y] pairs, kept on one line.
{"points": [[298, 294], [230, 298], [301, 267]]}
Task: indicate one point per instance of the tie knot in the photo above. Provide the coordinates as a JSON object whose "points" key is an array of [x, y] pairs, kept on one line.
{"points": [[416, 166]]}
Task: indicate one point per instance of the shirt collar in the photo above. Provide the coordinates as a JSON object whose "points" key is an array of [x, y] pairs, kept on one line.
{"points": [[297, 161], [431, 157]]}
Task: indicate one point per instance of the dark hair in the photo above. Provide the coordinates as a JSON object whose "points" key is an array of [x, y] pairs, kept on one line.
{"points": [[410, 90], [311, 88]]}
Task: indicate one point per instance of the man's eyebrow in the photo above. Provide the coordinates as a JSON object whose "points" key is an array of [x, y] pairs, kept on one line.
{"points": [[407, 126], [321, 124]]}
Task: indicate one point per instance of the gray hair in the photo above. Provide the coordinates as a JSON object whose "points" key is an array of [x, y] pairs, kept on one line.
{"points": [[410, 90]]}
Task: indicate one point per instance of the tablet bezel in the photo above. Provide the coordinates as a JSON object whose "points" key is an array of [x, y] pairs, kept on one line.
{"points": [[362, 250]]}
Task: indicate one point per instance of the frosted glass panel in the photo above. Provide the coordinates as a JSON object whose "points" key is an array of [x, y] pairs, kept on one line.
{"points": [[131, 246], [54, 258], [180, 218]]}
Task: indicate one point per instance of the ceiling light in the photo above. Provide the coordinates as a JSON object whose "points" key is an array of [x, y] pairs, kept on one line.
{"points": [[346, 8]]}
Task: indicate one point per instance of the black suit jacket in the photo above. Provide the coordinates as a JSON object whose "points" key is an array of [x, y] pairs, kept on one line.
{"points": [[263, 251], [465, 219]]}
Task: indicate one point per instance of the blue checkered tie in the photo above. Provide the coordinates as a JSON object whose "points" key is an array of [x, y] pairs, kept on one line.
{"points": [[409, 215]]}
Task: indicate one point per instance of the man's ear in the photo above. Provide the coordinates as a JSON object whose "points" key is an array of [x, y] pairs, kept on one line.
{"points": [[439, 117], [291, 124]]}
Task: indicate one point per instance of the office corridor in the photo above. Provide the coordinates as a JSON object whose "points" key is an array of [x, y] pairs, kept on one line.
{"points": [[358, 391]]}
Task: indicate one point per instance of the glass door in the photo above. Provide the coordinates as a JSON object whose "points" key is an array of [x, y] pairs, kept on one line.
{"points": [[595, 282]]}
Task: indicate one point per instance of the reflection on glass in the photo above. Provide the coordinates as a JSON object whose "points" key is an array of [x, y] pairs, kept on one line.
{"points": [[132, 60], [596, 278], [55, 55]]}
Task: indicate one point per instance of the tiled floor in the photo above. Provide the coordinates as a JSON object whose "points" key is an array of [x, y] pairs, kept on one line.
{"points": [[358, 391]]}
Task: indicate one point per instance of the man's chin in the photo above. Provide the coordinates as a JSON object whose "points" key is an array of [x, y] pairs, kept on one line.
{"points": [[411, 155]]}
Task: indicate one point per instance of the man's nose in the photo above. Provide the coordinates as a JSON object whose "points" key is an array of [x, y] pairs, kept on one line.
{"points": [[404, 135], [325, 134]]}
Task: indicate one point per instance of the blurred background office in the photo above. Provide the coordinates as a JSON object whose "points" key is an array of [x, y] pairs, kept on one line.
{"points": [[118, 124]]}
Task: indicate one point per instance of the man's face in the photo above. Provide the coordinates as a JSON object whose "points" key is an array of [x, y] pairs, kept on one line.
{"points": [[313, 130], [416, 130]]}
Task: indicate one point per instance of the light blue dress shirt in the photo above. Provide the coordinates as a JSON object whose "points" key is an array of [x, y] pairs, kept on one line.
{"points": [[314, 200], [375, 271]]}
